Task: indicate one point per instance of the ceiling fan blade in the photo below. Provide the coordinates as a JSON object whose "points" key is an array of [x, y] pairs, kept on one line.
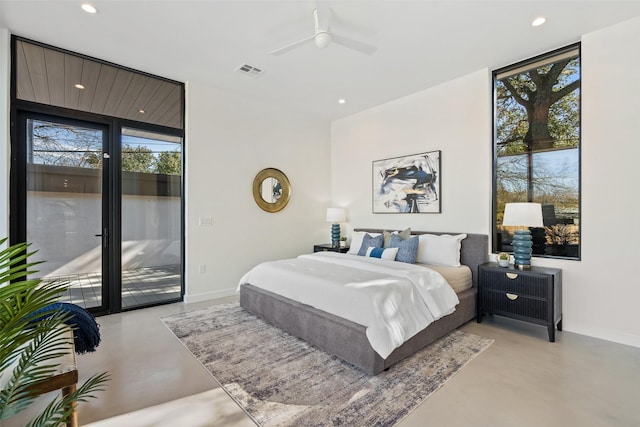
{"points": [[361, 47], [322, 15], [292, 46]]}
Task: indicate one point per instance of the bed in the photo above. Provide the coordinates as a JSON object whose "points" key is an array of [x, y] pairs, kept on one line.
{"points": [[347, 339]]}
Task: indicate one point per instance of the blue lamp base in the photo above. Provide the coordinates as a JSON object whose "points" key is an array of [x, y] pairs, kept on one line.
{"points": [[335, 235], [522, 244]]}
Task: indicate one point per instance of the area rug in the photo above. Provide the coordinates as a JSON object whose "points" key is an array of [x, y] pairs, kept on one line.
{"points": [[280, 380]]}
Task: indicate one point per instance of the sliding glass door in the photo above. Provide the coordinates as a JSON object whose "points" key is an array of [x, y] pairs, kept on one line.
{"points": [[64, 204], [151, 217], [102, 206]]}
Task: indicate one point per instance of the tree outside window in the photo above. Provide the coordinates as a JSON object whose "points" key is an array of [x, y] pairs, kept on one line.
{"points": [[57, 144], [537, 149]]}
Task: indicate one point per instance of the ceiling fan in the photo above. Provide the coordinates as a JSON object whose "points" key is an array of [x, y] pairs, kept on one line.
{"points": [[323, 36]]}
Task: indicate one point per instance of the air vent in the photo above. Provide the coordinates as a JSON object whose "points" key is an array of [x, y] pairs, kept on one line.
{"points": [[249, 70]]}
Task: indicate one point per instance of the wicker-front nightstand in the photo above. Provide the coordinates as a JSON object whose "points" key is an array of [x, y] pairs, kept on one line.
{"points": [[533, 296]]}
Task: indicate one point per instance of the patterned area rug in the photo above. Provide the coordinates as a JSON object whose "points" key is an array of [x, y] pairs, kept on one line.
{"points": [[280, 380]]}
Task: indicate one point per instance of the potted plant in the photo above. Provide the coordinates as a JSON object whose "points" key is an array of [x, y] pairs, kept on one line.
{"points": [[561, 240], [343, 242], [31, 338], [503, 259]]}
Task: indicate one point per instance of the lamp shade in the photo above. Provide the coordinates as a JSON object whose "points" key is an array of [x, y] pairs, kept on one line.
{"points": [[336, 215], [523, 215]]}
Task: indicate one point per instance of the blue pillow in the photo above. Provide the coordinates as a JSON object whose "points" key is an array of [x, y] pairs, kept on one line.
{"points": [[368, 241], [376, 252], [407, 249], [383, 253]]}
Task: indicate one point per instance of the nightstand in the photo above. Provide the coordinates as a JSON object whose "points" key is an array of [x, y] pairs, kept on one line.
{"points": [[327, 247], [533, 296]]}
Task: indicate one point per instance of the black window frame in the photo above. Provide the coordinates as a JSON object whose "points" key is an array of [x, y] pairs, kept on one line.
{"points": [[17, 179], [497, 240]]}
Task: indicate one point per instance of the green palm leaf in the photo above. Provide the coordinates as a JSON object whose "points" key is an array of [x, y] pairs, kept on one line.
{"points": [[59, 409], [32, 336]]}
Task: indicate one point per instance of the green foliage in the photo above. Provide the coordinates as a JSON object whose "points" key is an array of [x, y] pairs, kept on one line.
{"points": [[169, 163], [58, 144], [537, 118], [548, 94], [28, 348], [59, 409], [137, 159], [142, 160], [93, 160]]}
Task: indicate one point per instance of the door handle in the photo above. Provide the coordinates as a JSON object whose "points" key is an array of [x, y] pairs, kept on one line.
{"points": [[105, 237]]}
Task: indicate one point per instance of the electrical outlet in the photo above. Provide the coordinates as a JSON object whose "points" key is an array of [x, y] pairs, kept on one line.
{"points": [[205, 221], [203, 268]]}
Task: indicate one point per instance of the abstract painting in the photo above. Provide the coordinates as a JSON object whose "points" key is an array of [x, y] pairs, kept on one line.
{"points": [[409, 184]]}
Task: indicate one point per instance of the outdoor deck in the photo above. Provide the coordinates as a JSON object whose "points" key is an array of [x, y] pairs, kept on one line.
{"points": [[141, 286]]}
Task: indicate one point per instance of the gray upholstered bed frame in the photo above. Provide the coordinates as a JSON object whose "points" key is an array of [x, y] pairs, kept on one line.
{"points": [[348, 340]]}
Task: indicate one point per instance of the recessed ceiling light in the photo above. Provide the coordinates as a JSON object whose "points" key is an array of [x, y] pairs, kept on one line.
{"points": [[538, 21], [89, 8], [79, 86], [141, 111], [342, 101]]}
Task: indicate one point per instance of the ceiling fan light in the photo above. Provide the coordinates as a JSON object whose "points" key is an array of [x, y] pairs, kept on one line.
{"points": [[322, 39]]}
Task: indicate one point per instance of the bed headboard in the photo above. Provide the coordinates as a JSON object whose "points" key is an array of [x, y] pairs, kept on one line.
{"points": [[474, 250]]}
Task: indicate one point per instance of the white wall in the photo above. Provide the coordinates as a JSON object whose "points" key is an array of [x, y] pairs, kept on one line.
{"points": [[600, 292], [454, 118], [604, 288], [228, 142]]}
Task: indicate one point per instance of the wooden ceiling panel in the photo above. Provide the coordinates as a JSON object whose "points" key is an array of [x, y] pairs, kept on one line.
{"points": [[157, 104], [129, 96], [48, 75], [146, 93], [172, 115], [120, 85], [37, 72], [72, 76], [101, 94], [24, 88], [89, 79], [54, 62]]}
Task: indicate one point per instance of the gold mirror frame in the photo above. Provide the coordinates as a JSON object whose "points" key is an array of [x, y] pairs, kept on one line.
{"points": [[284, 183]]}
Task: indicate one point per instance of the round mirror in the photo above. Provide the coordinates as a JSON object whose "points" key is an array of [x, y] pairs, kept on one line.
{"points": [[271, 190]]}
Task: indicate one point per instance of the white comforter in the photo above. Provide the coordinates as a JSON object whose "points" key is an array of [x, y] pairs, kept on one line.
{"points": [[393, 300]]}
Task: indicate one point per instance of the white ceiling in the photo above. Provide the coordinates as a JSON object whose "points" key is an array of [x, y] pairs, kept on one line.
{"points": [[420, 43]]}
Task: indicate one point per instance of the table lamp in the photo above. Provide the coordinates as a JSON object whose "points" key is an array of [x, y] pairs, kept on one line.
{"points": [[335, 216], [522, 215]]}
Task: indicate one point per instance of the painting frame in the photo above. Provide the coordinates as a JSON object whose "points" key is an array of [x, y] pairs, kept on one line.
{"points": [[408, 184]]}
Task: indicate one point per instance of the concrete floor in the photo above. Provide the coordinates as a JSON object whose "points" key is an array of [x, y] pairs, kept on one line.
{"points": [[520, 380]]}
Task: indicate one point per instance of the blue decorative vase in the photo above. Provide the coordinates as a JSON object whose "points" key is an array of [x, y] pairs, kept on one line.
{"points": [[522, 244], [335, 235]]}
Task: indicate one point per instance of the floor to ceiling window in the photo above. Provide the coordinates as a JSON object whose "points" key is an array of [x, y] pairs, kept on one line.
{"points": [[64, 202], [537, 149], [96, 177], [151, 212]]}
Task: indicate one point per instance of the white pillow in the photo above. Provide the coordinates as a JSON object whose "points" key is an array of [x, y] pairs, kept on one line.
{"points": [[441, 249], [387, 253], [356, 241]]}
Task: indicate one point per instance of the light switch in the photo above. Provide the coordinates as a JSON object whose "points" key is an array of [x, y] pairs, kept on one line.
{"points": [[205, 221]]}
